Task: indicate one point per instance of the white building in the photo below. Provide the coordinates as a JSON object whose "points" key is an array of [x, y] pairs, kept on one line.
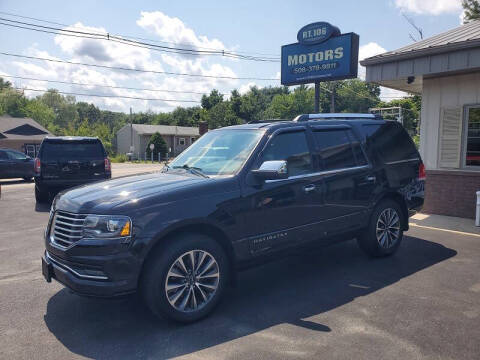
{"points": [[445, 70]]}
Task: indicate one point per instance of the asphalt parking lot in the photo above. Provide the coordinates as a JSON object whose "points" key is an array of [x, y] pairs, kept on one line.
{"points": [[335, 303]]}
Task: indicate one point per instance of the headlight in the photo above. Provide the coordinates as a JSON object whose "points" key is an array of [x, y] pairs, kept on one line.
{"points": [[103, 226]]}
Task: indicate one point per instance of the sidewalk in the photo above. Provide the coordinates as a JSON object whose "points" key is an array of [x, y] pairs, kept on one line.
{"points": [[445, 223]]}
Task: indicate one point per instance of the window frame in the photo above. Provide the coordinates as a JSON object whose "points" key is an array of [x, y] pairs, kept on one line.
{"points": [[464, 137], [314, 168], [180, 140]]}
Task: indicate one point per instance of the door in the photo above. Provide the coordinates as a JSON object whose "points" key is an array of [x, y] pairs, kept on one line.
{"points": [[21, 164], [347, 177], [281, 209], [5, 165]]}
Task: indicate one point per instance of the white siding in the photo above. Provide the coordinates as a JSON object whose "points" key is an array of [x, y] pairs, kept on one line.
{"points": [[440, 93]]}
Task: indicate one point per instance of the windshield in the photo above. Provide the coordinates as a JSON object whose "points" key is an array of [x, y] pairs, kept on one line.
{"points": [[219, 152]]}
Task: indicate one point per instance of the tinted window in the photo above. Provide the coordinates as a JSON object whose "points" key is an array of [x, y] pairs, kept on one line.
{"points": [[17, 155], [72, 151], [392, 142], [335, 149], [3, 155], [369, 130], [293, 148], [357, 149]]}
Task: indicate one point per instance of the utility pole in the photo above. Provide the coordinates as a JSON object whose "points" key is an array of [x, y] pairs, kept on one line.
{"points": [[317, 97], [131, 130], [332, 97]]}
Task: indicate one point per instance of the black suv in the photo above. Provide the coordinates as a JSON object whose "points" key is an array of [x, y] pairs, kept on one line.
{"points": [[237, 196], [69, 161]]}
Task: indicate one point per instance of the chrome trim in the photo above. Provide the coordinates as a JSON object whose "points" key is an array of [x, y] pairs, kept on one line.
{"points": [[320, 173], [66, 267], [60, 235], [402, 161]]}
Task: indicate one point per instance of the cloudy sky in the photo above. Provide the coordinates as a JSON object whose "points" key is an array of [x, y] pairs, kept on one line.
{"points": [[254, 28]]}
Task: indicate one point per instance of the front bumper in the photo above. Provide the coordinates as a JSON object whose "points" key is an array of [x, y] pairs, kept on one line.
{"points": [[83, 279]]}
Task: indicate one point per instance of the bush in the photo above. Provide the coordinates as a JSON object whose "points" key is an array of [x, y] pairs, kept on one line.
{"points": [[160, 146], [416, 140], [120, 158]]}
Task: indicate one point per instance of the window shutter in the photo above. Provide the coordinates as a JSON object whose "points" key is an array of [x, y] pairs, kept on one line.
{"points": [[450, 138]]}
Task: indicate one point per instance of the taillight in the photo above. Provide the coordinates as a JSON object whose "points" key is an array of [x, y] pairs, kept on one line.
{"points": [[37, 166], [421, 172], [108, 166]]}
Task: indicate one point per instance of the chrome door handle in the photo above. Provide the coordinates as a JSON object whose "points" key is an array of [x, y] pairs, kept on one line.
{"points": [[371, 178], [309, 188]]}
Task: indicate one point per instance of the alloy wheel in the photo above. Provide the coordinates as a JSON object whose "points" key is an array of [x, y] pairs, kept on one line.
{"points": [[192, 280], [388, 228]]}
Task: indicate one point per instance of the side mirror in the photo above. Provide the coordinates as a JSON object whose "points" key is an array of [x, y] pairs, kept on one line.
{"points": [[272, 170]]}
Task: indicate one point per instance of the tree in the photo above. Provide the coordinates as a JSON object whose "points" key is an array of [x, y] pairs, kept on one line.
{"points": [[222, 115], [356, 96], [471, 10], [288, 106], [160, 146], [410, 111], [12, 102], [211, 100], [41, 113], [4, 84]]}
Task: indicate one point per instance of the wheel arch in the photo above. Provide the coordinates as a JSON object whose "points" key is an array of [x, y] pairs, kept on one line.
{"points": [[400, 200], [207, 229]]}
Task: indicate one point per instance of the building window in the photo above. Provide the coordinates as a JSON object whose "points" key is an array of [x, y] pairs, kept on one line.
{"points": [[192, 140], [472, 137], [30, 150], [181, 141]]}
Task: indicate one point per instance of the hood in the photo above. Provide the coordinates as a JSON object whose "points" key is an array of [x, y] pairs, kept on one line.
{"points": [[108, 196]]}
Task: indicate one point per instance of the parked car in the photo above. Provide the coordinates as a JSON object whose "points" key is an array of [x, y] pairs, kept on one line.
{"points": [[234, 198], [68, 161], [15, 164]]}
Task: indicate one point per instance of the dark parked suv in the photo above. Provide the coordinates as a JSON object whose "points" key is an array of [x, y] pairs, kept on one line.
{"points": [[237, 196], [68, 161], [15, 164]]}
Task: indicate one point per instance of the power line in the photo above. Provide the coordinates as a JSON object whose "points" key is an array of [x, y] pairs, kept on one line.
{"points": [[136, 37], [137, 70], [105, 86], [110, 96], [113, 38]]}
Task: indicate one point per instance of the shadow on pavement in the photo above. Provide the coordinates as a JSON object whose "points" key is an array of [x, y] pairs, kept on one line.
{"points": [[6, 182], [286, 291]]}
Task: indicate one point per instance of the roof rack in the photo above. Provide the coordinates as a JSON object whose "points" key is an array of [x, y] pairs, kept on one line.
{"points": [[336, 116]]}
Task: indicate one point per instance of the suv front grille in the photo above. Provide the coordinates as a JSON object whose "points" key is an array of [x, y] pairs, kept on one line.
{"points": [[67, 228]]}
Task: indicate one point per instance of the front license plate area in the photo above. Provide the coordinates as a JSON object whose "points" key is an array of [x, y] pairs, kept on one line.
{"points": [[47, 270]]}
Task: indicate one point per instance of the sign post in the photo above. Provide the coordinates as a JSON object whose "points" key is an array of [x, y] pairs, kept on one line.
{"points": [[152, 146], [321, 54]]}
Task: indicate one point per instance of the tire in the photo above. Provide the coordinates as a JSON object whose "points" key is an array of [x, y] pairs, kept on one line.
{"points": [[383, 243], [41, 196], [185, 290]]}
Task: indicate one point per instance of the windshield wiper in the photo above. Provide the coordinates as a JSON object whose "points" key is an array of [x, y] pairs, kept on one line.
{"points": [[192, 169]]}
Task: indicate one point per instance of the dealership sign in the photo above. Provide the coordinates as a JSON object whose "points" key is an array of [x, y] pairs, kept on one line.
{"points": [[322, 54], [316, 33]]}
